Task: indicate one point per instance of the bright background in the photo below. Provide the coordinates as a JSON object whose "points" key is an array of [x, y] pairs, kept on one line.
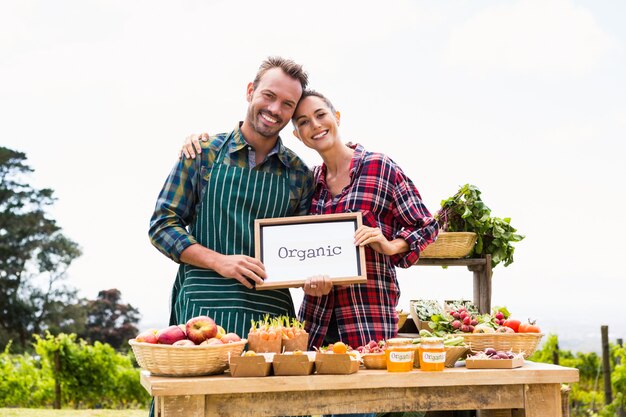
{"points": [[525, 99]]}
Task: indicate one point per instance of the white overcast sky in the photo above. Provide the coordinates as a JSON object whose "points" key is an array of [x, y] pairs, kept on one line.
{"points": [[525, 99]]}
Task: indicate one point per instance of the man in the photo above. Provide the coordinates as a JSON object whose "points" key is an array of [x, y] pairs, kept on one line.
{"points": [[240, 176]]}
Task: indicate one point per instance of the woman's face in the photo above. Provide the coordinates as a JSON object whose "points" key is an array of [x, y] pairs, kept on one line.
{"points": [[315, 123]]}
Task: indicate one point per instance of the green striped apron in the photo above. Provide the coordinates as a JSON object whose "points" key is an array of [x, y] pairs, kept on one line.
{"points": [[234, 197]]}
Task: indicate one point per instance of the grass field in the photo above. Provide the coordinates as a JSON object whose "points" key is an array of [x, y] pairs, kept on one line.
{"points": [[41, 412]]}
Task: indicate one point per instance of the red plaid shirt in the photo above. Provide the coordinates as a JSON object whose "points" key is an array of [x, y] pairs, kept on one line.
{"points": [[388, 199]]}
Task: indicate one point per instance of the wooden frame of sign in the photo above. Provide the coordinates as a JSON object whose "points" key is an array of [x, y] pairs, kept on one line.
{"points": [[296, 248]]}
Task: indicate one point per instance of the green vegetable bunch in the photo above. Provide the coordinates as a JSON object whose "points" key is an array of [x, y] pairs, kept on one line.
{"points": [[425, 309], [466, 212]]}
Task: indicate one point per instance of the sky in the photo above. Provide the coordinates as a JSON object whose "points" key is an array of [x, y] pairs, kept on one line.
{"points": [[524, 99]]}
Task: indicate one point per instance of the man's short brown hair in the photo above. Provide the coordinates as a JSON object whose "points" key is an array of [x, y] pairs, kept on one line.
{"points": [[288, 66]]}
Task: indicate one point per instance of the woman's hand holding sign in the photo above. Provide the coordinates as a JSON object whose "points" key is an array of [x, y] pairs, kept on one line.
{"points": [[374, 238], [318, 285]]}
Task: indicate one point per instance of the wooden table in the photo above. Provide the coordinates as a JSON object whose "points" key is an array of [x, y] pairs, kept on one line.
{"points": [[532, 391]]}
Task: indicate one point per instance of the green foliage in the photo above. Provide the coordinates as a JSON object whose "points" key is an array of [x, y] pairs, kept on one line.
{"points": [[618, 376], [611, 410], [41, 412], [31, 246], [466, 212], [23, 382], [91, 375], [587, 396]]}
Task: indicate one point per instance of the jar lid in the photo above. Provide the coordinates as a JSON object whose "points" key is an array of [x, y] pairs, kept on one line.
{"points": [[431, 340], [398, 341]]}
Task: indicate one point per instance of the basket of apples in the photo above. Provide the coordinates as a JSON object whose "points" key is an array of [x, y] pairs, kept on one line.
{"points": [[199, 347]]}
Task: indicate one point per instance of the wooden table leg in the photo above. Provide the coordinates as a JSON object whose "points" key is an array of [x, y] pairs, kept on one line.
{"points": [[541, 400], [183, 405], [482, 285], [486, 286]]}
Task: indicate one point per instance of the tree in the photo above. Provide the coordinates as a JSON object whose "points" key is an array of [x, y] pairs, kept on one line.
{"points": [[31, 246], [110, 321]]}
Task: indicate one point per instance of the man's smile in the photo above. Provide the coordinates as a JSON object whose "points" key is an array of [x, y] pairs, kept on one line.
{"points": [[268, 118]]}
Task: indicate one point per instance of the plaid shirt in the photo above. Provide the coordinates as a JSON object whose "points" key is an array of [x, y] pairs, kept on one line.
{"points": [[182, 194], [388, 199]]}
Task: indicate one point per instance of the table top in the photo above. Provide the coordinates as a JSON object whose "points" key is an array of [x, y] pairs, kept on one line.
{"points": [[530, 373]]}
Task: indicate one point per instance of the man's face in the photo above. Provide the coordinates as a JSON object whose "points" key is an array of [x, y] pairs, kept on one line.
{"points": [[272, 102]]}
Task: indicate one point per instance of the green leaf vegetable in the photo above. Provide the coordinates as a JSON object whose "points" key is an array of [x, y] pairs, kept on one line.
{"points": [[425, 309], [466, 212]]}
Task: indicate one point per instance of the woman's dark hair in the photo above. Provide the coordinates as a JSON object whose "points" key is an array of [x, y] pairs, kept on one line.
{"points": [[309, 93]]}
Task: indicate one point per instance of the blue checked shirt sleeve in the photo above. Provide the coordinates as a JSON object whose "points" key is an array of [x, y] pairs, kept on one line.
{"points": [[419, 227], [175, 209], [307, 187]]}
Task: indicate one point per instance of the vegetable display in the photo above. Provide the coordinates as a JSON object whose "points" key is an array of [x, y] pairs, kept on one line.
{"points": [[466, 212], [529, 327], [462, 320], [425, 309]]}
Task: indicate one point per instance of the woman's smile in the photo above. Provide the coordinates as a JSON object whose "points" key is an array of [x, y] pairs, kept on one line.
{"points": [[321, 134]]}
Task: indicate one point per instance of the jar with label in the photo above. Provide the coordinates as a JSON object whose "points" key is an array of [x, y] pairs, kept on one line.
{"points": [[399, 358], [432, 354]]}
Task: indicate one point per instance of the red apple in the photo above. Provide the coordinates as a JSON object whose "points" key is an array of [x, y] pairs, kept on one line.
{"points": [[184, 342], [212, 341], [147, 336], [201, 328], [170, 335], [183, 327], [220, 332], [230, 337]]}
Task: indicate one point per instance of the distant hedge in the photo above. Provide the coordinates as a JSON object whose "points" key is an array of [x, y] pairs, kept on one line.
{"points": [[89, 376]]}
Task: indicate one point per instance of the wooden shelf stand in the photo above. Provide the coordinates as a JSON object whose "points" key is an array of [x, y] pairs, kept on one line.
{"points": [[481, 267]]}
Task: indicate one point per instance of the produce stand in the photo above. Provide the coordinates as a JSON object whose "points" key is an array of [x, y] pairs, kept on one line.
{"points": [[534, 390], [481, 267]]}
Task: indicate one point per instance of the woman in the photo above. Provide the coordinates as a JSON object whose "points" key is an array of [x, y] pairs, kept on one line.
{"points": [[397, 226]]}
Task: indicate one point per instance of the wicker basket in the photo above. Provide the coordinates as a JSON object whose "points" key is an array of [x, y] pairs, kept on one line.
{"points": [[525, 343], [454, 353], [450, 245], [402, 316], [374, 360], [168, 360]]}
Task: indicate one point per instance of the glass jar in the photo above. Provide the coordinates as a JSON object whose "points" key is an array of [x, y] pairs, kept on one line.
{"points": [[399, 358], [432, 354]]}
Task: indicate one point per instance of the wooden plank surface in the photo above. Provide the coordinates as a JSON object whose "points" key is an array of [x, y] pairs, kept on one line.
{"points": [[530, 373], [362, 401]]}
